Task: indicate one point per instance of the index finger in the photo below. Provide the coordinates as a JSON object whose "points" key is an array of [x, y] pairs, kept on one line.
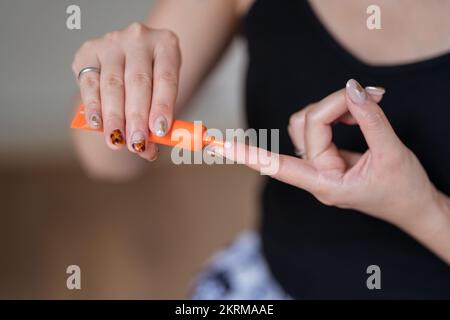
{"points": [[318, 121], [291, 170]]}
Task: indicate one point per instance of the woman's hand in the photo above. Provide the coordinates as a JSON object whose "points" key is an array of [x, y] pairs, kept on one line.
{"points": [[387, 181], [136, 89]]}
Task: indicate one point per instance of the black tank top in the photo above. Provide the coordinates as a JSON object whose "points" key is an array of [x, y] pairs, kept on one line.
{"points": [[317, 251]]}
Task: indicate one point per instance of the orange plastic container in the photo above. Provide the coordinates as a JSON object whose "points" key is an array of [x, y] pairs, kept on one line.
{"points": [[183, 134]]}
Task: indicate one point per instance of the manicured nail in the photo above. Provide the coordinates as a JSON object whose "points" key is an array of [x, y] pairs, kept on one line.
{"points": [[160, 126], [138, 141], [156, 155], [95, 121], [378, 91], [220, 150], [211, 150], [117, 137], [216, 151], [356, 93]]}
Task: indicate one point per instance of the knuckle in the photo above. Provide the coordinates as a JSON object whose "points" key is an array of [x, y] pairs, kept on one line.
{"points": [[87, 45], [113, 81], [374, 120], [162, 106], [169, 38], [168, 77], [137, 118], [297, 119], [141, 79], [90, 81], [92, 104], [138, 29], [312, 116], [112, 36], [113, 116]]}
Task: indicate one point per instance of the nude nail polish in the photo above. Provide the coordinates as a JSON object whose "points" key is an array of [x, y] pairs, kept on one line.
{"points": [[95, 120], [211, 150], [356, 93], [138, 141], [378, 91], [160, 126], [219, 151], [117, 137]]}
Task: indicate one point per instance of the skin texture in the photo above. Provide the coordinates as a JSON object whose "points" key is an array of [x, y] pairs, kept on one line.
{"points": [[161, 62]]}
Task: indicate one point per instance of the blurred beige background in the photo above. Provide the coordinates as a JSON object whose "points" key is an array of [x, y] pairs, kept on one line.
{"points": [[142, 239]]}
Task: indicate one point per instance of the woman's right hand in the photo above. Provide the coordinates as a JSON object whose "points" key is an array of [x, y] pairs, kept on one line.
{"points": [[136, 90]]}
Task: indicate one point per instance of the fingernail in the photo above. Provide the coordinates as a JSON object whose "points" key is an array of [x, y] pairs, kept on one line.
{"points": [[220, 150], [216, 151], [156, 155], [160, 126], [378, 91], [117, 137], [211, 150], [356, 93], [138, 141], [95, 121]]}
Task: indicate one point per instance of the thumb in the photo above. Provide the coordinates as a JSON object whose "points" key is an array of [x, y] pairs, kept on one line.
{"points": [[377, 130]]}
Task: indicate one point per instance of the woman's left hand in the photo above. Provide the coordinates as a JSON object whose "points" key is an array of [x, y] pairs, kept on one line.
{"points": [[387, 181]]}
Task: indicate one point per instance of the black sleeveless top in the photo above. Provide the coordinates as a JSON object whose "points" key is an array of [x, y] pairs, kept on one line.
{"points": [[317, 251]]}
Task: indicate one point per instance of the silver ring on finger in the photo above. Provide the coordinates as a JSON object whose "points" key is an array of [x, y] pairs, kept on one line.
{"points": [[88, 69]]}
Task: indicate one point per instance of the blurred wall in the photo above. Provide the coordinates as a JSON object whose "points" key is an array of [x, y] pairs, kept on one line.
{"points": [[37, 84]]}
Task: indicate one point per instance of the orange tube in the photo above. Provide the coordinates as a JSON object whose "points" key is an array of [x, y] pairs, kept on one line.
{"points": [[196, 134]]}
